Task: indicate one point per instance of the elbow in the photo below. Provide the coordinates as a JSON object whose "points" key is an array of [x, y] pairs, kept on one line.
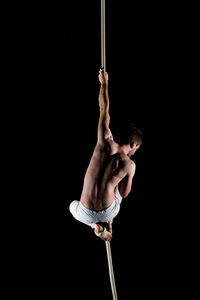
{"points": [[125, 193]]}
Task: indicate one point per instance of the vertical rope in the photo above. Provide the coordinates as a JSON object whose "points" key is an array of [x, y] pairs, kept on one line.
{"points": [[103, 36], [111, 272], [103, 65]]}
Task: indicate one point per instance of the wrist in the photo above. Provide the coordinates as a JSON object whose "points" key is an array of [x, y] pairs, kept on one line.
{"points": [[104, 84]]}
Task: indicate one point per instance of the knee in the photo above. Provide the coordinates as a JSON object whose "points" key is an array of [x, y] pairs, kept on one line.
{"points": [[73, 206]]}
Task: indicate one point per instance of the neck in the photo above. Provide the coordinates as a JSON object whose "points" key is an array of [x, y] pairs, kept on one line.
{"points": [[125, 149]]}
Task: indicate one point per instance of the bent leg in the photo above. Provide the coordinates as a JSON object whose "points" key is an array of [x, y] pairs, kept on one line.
{"points": [[90, 186], [81, 213]]}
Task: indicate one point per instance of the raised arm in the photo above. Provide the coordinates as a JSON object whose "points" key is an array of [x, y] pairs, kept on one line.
{"points": [[104, 133]]}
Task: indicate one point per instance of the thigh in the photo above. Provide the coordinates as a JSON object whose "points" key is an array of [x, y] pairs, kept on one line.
{"points": [[92, 176]]}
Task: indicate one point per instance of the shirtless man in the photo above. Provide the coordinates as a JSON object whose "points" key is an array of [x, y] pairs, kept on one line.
{"points": [[109, 175]]}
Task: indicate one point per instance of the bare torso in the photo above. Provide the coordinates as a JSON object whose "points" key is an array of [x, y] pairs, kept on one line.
{"points": [[104, 173]]}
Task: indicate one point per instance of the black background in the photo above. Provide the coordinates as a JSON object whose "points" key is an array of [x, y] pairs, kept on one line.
{"points": [[145, 50]]}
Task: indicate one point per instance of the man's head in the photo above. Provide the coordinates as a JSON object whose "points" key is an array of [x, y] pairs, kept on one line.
{"points": [[129, 135]]}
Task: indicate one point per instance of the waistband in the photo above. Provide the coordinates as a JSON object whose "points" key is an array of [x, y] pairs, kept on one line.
{"points": [[117, 198]]}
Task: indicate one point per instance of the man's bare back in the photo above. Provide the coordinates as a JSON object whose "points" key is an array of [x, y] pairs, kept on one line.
{"points": [[104, 173]]}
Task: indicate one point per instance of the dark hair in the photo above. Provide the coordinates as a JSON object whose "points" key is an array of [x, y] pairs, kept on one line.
{"points": [[127, 134]]}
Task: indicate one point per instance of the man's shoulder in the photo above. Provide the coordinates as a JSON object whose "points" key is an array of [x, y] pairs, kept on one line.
{"points": [[126, 162], [129, 165], [126, 158], [132, 164]]}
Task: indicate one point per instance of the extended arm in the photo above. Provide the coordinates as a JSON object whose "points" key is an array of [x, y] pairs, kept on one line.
{"points": [[104, 132]]}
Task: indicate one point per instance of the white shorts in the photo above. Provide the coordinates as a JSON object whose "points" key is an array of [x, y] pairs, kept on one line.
{"points": [[88, 216]]}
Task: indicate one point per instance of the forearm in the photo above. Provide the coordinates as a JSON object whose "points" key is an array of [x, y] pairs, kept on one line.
{"points": [[104, 117], [104, 102]]}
